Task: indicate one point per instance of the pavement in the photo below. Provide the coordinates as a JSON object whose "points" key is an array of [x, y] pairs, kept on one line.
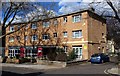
{"points": [[30, 66], [114, 70]]}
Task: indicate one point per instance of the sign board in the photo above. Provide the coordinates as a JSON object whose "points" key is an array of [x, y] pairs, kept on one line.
{"points": [[85, 46]]}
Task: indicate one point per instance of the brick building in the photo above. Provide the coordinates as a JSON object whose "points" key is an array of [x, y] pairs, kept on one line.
{"points": [[83, 31]]}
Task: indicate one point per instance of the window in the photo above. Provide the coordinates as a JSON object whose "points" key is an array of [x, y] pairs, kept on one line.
{"points": [[18, 26], [46, 24], [11, 39], [13, 52], [18, 37], [65, 34], [26, 37], [34, 25], [55, 22], [76, 18], [77, 34], [26, 27], [102, 34], [78, 51], [11, 28], [65, 19], [34, 37], [55, 34], [65, 49], [45, 36]]}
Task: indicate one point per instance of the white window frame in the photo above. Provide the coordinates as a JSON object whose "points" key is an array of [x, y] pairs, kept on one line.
{"points": [[13, 52], [78, 52], [34, 25], [76, 18], [46, 24], [12, 29], [34, 36], [78, 33], [11, 39], [65, 48], [65, 34], [64, 19], [43, 36]]}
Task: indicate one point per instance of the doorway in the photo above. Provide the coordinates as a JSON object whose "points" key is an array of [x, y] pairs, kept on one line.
{"points": [[78, 52]]}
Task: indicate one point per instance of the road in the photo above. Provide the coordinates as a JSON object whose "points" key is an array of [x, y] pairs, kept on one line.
{"points": [[85, 68]]}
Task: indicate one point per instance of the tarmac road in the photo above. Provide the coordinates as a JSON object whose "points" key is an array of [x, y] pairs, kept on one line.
{"points": [[81, 69]]}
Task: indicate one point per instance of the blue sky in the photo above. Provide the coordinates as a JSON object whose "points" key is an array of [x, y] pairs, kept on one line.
{"points": [[68, 6]]}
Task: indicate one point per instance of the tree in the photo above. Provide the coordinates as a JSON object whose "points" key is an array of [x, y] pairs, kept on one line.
{"points": [[113, 20], [25, 12], [22, 12], [115, 10]]}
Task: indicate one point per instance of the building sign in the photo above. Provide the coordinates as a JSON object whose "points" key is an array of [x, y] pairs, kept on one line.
{"points": [[85, 46]]}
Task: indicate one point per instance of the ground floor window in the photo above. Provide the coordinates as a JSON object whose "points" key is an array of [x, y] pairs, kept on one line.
{"points": [[31, 52], [65, 49], [27, 52], [78, 51], [13, 52]]}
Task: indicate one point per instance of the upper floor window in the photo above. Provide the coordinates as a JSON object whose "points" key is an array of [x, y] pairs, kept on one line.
{"points": [[18, 26], [55, 34], [18, 38], [34, 37], [45, 36], [34, 25], [65, 34], [76, 18], [12, 28], [103, 35], [65, 19], [77, 34], [26, 38], [26, 27], [55, 22], [11, 39], [46, 24]]}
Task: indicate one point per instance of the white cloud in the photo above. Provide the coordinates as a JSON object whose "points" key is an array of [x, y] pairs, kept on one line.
{"points": [[34, 15], [67, 7], [100, 6]]}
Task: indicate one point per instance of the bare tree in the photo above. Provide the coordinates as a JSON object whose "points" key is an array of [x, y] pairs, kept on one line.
{"points": [[11, 10], [113, 20], [115, 10]]}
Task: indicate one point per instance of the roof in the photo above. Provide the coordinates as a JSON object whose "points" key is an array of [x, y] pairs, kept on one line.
{"points": [[87, 10]]}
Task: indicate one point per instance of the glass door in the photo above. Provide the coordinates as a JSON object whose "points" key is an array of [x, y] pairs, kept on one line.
{"points": [[78, 52]]}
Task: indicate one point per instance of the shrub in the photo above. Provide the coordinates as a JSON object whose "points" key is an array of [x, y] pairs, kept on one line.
{"points": [[4, 59], [61, 57], [71, 56], [51, 56], [23, 60], [34, 60]]}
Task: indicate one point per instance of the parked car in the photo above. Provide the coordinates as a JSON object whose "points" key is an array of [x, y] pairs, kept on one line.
{"points": [[99, 58]]}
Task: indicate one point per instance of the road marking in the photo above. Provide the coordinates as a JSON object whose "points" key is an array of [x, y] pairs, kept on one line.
{"points": [[105, 71]]}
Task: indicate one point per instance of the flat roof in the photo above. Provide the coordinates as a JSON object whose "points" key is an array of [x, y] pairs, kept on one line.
{"points": [[81, 11]]}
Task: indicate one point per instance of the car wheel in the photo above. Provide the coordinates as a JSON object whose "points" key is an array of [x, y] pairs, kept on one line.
{"points": [[102, 61]]}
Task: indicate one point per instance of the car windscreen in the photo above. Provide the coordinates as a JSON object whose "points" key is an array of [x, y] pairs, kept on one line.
{"points": [[95, 55]]}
